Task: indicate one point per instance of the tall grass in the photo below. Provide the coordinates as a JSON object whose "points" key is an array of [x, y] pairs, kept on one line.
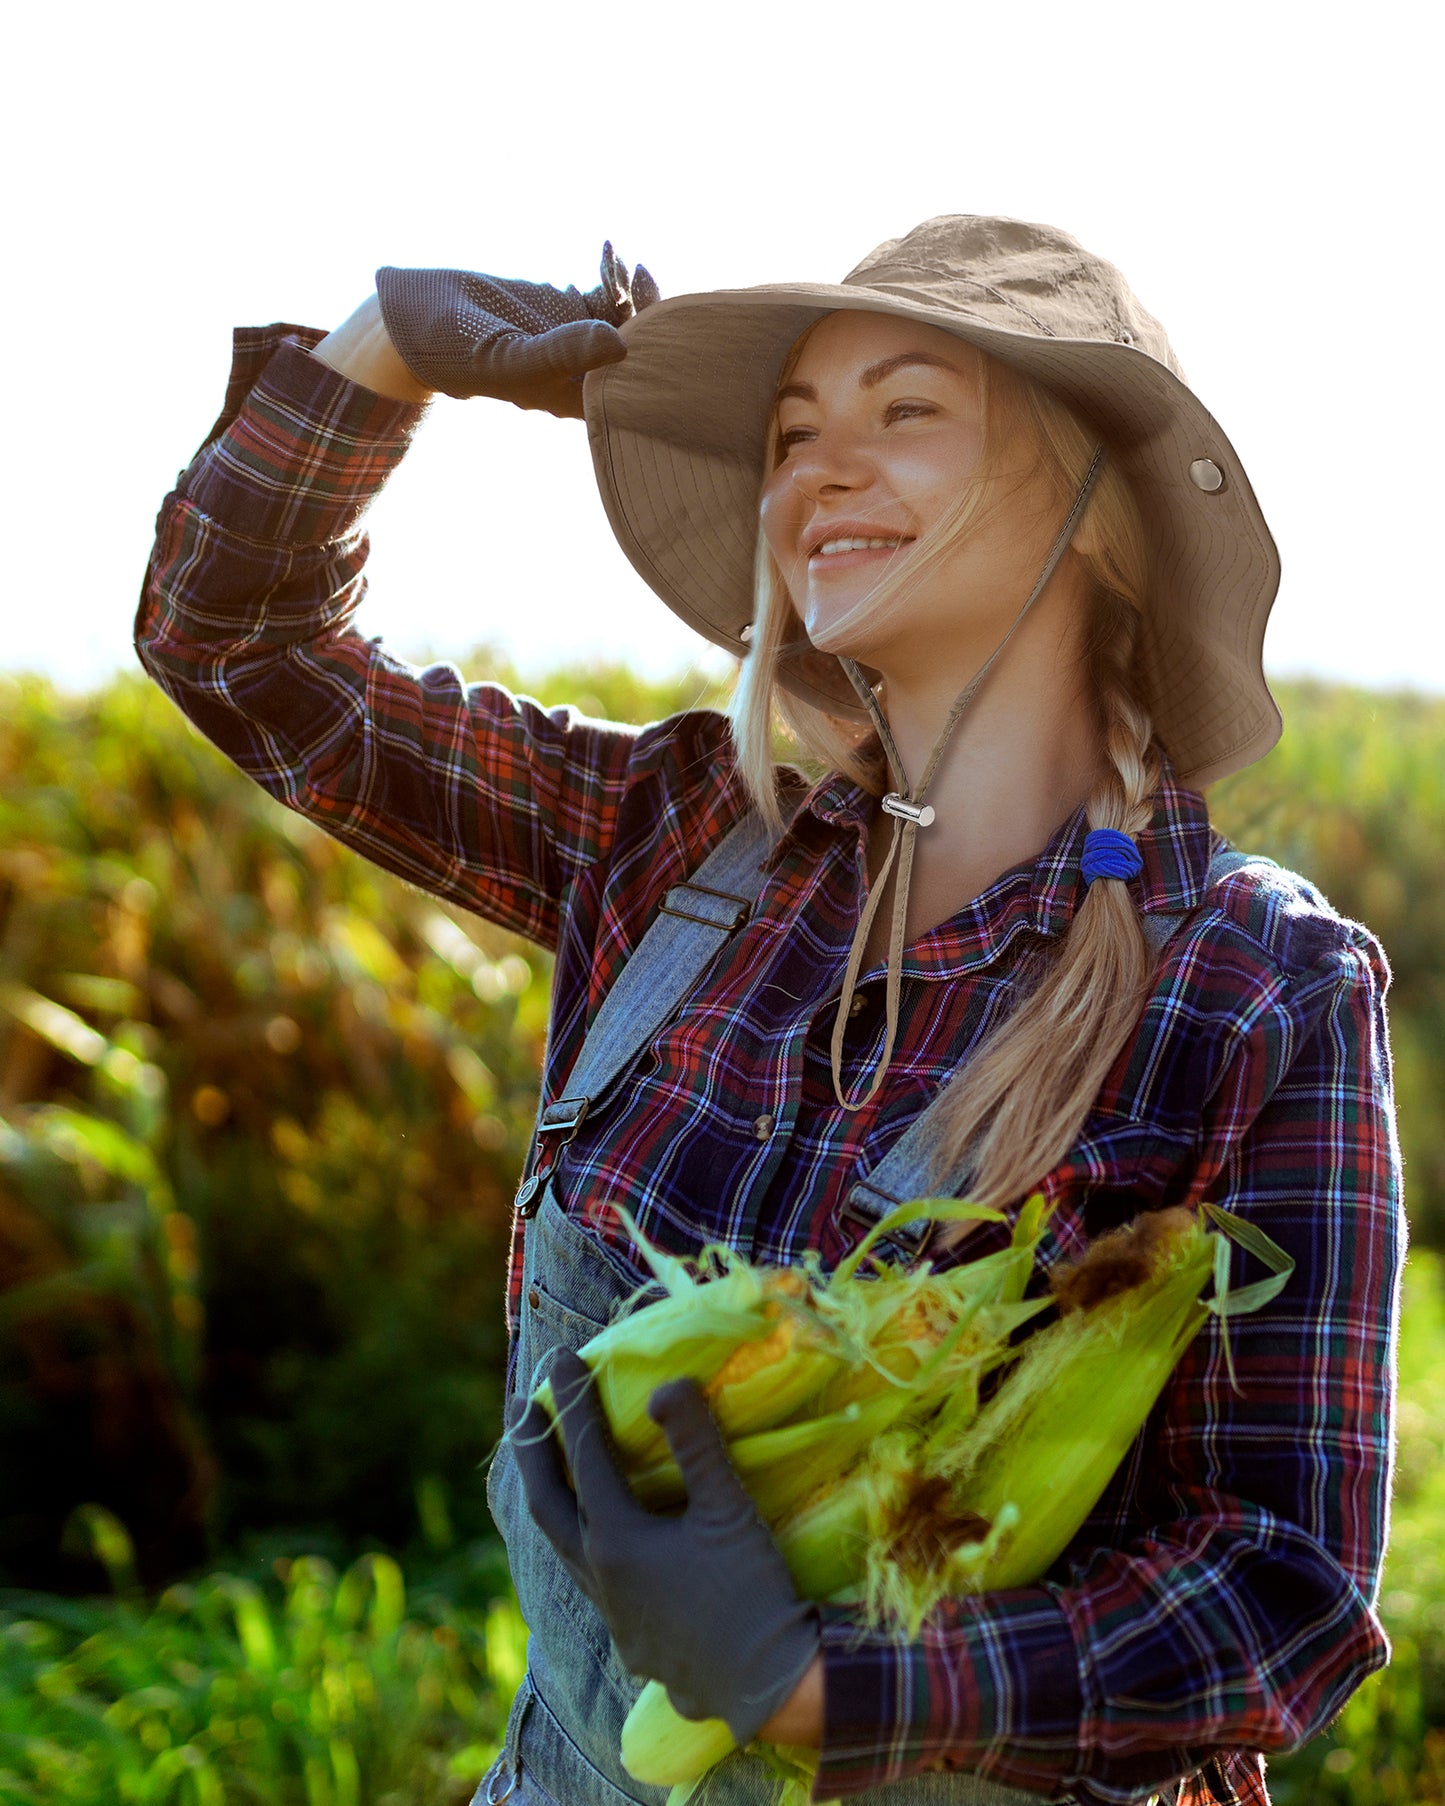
{"points": [[319, 1690]]}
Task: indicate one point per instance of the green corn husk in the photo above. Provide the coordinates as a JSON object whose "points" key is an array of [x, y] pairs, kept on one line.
{"points": [[783, 1465], [1051, 1440], [825, 1541], [905, 1316], [759, 1341]]}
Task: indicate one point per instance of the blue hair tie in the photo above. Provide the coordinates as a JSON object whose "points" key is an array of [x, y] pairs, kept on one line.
{"points": [[1109, 854]]}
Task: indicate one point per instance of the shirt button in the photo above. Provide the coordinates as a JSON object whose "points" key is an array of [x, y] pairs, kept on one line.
{"points": [[534, 1298], [859, 1003], [763, 1127]]}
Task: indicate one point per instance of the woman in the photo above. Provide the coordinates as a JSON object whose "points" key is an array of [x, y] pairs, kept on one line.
{"points": [[1006, 579]]}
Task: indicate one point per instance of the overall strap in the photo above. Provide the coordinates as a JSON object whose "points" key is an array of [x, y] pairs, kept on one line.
{"points": [[912, 1167], [693, 921]]}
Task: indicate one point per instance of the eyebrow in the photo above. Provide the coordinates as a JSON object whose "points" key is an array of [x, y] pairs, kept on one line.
{"points": [[874, 374]]}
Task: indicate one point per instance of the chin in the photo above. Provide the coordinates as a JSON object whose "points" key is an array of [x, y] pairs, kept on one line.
{"points": [[845, 633]]}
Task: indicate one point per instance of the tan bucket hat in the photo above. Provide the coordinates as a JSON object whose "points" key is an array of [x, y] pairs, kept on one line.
{"points": [[678, 429]]}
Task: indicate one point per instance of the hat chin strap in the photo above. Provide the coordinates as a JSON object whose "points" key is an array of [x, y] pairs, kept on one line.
{"points": [[910, 813]]}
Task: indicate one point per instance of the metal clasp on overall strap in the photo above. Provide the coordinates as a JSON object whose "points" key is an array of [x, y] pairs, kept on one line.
{"points": [[505, 1770], [865, 1205], [728, 918], [563, 1119]]}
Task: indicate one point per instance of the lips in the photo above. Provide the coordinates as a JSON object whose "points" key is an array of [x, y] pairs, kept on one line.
{"points": [[823, 533], [856, 558]]}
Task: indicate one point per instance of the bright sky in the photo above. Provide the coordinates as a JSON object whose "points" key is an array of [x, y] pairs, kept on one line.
{"points": [[1263, 173]]}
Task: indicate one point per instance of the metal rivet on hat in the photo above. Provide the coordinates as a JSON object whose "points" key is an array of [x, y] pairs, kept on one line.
{"points": [[747, 633], [1125, 336], [1205, 474]]}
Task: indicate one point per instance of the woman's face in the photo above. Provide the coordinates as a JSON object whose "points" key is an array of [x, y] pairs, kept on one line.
{"points": [[880, 425]]}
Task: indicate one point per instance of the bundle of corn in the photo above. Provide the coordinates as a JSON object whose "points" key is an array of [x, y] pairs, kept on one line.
{"points": [[803, 1370], [952, 1499]]}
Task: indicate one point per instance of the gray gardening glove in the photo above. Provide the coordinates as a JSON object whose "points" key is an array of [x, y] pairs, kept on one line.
{"points": [[702, 1601], [522, 342]]}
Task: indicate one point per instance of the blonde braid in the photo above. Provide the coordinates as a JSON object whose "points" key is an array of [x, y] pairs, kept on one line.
{"points": [[1021, 1101]]}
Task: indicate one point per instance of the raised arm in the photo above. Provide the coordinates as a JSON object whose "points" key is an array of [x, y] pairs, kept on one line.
{"points": [[361, 348], [257, 573]]}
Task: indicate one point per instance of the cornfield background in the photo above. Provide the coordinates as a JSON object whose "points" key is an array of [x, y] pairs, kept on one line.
{"points": [[261, 1109]]}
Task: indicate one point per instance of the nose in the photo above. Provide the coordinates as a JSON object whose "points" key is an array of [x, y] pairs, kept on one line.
{"points": [[833, 463]]}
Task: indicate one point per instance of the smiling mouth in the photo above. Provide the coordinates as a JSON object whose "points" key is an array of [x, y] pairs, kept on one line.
{"points": [[847, 553]]}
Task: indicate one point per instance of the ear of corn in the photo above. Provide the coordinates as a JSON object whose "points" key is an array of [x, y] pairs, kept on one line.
{"points": [[766, 1380], [754, 1339], [662, 1748], [825, 1540], [851, 1410], [781, 1466], [1052, 1438], [1047, 1446]]}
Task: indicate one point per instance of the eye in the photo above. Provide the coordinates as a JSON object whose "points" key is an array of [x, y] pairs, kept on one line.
{"points": [[793, 436], [906, 410]]}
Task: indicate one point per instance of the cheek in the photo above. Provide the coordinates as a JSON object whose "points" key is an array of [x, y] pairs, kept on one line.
{"points": [[933, 478], [778, 516]]}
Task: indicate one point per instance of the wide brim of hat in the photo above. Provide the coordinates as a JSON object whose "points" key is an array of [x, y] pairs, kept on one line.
{"points": [[678, 429]]}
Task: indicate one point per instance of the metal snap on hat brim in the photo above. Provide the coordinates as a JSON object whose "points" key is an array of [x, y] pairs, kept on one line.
{"points": [[677, 434]]}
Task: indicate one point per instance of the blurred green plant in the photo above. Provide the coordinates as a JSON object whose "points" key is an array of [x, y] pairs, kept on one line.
{"points": [[1353, 798], [305, 1689], [261, 1108]]}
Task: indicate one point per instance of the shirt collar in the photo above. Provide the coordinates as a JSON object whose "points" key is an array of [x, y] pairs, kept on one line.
{"points": [[1040, 895]]}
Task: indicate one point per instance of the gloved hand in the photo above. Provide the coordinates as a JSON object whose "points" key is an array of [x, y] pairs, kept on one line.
{"points": [[702, 1601], [522, 342]]}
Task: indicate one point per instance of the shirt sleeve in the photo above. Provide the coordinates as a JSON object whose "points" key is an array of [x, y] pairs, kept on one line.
{"points": [[1238, 1612], [246, 621]]}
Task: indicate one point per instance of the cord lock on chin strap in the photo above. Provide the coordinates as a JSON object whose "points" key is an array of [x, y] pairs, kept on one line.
{"points": [[920, 814]]}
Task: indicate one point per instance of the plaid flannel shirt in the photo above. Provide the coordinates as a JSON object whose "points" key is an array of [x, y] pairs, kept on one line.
{"points": [[1220, 1600]]}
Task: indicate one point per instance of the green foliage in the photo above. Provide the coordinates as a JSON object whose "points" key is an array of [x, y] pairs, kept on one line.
{"points": [[1353, 798], [262, 1109], [302, 1690]]}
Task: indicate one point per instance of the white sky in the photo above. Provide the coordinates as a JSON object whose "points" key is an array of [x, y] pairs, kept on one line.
{"points": [[1264, 174]]}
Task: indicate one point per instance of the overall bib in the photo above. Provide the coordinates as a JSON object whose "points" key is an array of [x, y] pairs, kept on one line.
{"points": [[564, 1729]]}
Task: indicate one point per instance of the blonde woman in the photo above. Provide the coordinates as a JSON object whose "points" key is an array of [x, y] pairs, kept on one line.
{"points": [[984, 553]]}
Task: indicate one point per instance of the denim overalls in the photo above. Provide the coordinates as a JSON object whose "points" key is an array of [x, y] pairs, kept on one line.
{"points": [[564, 1729]]}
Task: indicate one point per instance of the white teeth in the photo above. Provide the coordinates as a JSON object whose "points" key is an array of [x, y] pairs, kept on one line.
{"points": [[830, 546]]}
